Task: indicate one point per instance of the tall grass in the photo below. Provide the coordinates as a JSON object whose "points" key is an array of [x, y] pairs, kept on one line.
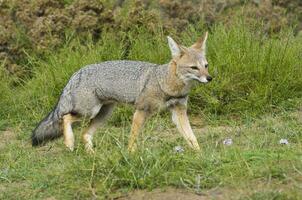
{"points": [[5, 97], [253, 73]]}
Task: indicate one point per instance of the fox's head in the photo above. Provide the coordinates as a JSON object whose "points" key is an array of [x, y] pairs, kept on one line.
{"points": [[190, 62]]}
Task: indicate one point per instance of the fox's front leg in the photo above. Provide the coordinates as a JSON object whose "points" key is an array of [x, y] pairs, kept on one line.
{"points": [[139, 119], [180, 118]]}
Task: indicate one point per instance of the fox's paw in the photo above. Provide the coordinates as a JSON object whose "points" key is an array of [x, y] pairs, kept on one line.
{"points": [[87, 139], [69, 145], [132, 148], [71, 148], [89, 149], [195, 146]]}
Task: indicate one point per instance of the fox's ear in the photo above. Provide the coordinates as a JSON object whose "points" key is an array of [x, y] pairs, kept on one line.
{"points": [[200, 44], [174, 47]]}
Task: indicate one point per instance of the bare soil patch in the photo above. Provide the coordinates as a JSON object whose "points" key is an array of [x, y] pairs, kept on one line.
{"points": [[6, 137], [220, 193], [171, 194]]}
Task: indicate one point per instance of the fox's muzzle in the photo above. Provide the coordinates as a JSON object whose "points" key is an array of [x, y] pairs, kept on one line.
{"points": [[203, 79], [209, 78]]}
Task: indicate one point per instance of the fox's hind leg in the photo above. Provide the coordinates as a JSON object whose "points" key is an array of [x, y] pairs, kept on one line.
{"points": [[102, 115], [67, 130]]}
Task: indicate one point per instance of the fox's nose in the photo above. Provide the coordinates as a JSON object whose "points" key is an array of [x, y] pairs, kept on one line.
{"points": [[209, 78]]}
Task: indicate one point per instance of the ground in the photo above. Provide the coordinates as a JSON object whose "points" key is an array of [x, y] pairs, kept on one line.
{"points": [[255, 166]]}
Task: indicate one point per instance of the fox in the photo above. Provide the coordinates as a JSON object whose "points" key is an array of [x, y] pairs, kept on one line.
{"points": [[92, 93]]}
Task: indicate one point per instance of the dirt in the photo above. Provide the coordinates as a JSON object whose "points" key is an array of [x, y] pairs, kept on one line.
{"points": [[6, 188], [6, 137], [297, 115], [246, 191], [171, 194]]}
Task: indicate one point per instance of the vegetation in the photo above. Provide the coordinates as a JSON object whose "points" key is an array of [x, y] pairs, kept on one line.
{"points": [[254, 99], [254, 74]]}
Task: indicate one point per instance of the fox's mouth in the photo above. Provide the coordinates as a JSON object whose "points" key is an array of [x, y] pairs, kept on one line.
{"points": [[203, 79]]}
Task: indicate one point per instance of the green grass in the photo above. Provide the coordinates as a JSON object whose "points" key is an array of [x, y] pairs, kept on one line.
{"points": [[253, 73], [256, 158], [253, 100]]}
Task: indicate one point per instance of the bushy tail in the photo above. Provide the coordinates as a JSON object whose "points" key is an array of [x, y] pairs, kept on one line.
{"points": [[48, 129]]}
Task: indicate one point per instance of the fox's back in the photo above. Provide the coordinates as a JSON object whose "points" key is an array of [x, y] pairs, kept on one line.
{"points": [[120, 80]]}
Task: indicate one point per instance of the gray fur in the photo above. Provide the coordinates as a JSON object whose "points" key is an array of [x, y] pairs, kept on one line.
{"points": [[111, 81], [134, 82], [92, 92]]}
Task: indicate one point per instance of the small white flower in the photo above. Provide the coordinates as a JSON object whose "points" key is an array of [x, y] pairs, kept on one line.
{"points": [[283, 141], [228, 141], [178, 149]]}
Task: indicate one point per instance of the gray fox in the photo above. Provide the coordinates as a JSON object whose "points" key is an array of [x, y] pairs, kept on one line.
{"points": [[93, 91]]}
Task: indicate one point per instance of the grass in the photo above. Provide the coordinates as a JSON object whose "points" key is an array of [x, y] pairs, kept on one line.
{"points": [[253, 100], [255, 159], [253, 73]]}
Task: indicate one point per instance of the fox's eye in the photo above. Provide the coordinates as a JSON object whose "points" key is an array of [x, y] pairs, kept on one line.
{"points": [[206, 66], [194, 68]]}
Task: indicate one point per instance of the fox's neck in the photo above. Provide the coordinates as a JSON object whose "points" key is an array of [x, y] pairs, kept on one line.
{"points": [[170, 83]]}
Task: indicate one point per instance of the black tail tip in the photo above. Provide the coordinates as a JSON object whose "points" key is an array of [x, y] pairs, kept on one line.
{"points": [[35, 142]]}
